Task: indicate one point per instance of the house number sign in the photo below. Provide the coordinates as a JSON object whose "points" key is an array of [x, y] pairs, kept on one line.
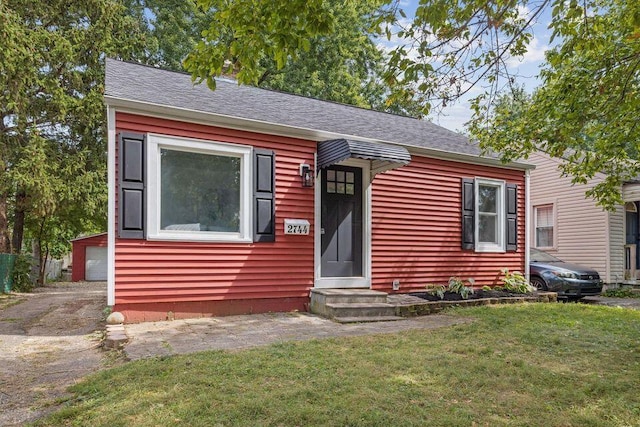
{"points": [[296, 226]]}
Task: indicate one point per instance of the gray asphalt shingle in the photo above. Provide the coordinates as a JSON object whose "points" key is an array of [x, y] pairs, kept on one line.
{"points": [[136, 82]]}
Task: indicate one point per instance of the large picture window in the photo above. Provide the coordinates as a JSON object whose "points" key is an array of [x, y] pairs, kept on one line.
{"points": [[201, 190], [490, 215]]}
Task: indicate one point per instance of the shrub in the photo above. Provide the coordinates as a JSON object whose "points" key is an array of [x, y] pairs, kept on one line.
{"points": [[457, 285], [22, 281], [438, 290], [515, 282]]}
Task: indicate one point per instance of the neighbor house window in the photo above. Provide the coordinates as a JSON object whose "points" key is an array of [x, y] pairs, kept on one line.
{"points": [[198, 190], [490, 216], [544, 226]]}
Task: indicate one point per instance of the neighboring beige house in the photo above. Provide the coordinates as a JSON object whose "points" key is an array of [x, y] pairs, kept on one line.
{"points": [[571, 227]]}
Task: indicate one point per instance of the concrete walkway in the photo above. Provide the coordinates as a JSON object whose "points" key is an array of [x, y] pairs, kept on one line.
{"points": [[237, 332]]}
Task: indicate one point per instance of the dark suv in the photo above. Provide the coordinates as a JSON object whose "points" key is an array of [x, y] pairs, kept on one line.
{"points": [[571, 281]]}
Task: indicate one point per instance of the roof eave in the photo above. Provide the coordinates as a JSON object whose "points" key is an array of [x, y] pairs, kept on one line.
{"points": [[240, 123]]}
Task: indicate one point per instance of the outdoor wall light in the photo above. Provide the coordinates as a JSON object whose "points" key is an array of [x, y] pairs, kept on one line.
{"points": [[306, 175]]}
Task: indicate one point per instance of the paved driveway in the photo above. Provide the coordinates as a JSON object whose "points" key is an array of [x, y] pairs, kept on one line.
{"points": [[48, 341]]}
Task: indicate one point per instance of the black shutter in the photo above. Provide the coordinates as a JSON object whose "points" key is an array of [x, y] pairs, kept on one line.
{"points": [[264, 192], [468, 213], [512, 217], [131, 195]]}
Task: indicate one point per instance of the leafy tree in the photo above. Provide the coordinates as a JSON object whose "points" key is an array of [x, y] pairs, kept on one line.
{"points": [[52, 127], [342, 66], [440, 53], [172, 29], [585, 111]]}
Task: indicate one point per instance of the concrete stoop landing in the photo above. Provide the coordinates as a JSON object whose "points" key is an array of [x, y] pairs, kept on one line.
{"points": [[352, 305]]}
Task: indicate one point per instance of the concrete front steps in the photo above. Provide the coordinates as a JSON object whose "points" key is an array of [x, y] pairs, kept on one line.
{"points": [[352, 305]]}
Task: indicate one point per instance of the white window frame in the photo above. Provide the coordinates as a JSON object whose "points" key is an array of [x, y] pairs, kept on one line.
{"points": [[157, 142], [553, 225], [500, 245]]}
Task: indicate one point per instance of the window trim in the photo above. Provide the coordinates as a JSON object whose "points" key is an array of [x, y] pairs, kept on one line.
{"points": [[501, 215], [553, 225], [155, 144]]}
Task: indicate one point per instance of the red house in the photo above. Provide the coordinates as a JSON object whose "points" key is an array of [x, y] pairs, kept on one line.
{"points": [[243, 200]]}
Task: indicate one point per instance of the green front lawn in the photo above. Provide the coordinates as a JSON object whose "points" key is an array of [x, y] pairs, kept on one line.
{"points": [[517, 365]]}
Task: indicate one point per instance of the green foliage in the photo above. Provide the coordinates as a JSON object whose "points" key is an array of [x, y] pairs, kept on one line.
{"points": [[22, 280], [455, 285], [515, 282], [106, 312], [620, 293], [52, 120], [241, 33], [337, 60], [458, 286], [437, 290], [172, 28], [344, 65], [585, 112]]}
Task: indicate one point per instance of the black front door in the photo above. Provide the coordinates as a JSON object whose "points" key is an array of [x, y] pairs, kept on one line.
{"points": [[341, 222]]}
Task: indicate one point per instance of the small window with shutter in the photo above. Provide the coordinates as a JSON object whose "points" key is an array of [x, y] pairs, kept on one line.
{"points": [[489, 215]]}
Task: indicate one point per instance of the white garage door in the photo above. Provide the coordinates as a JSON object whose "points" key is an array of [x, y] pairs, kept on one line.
{"points": [[96, 263]]}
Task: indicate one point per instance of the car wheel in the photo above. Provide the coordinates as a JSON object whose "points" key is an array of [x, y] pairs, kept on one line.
{"points": [[538, 283]]}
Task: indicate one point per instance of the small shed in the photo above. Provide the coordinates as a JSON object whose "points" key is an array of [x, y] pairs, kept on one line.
{"points": [[89, 258]]}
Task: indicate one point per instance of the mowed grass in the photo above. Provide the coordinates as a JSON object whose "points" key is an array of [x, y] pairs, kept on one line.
{"points": [[515, 365]]}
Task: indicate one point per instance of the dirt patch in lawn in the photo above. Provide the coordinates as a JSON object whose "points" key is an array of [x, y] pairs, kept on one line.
{"points": [[49, 339]]}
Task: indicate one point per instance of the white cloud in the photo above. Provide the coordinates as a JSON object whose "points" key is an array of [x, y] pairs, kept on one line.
{"points": [[454, 117], [535, 54]]}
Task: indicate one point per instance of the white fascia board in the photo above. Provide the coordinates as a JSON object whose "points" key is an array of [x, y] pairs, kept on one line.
{"points": [[469, 158], [258, 126]]}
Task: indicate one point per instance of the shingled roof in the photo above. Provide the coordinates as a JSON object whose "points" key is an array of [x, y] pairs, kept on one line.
{"points": [[148, 85]]}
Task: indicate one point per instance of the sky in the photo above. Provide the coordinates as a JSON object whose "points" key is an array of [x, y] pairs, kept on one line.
{"points": [[526, 68]]}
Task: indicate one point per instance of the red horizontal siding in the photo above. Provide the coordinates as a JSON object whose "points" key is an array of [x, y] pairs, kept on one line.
{"points": [[416, 226], [150, 272], [415, 236]]}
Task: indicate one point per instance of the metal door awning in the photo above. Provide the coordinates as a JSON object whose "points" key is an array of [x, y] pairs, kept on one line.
{"points": [[383, 157]]}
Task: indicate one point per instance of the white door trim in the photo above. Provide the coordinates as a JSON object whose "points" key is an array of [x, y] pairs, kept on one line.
{"points": [[345, 282]]}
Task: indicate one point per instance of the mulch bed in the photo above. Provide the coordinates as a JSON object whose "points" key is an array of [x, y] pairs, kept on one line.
{"points": [[479, 294]]}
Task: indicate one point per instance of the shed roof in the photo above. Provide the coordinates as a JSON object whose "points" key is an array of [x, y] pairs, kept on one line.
{"points": [[127, 83], [90, 236]]}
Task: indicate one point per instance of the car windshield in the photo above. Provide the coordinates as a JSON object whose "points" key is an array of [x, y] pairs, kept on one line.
{"points": [[540, 256]]}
